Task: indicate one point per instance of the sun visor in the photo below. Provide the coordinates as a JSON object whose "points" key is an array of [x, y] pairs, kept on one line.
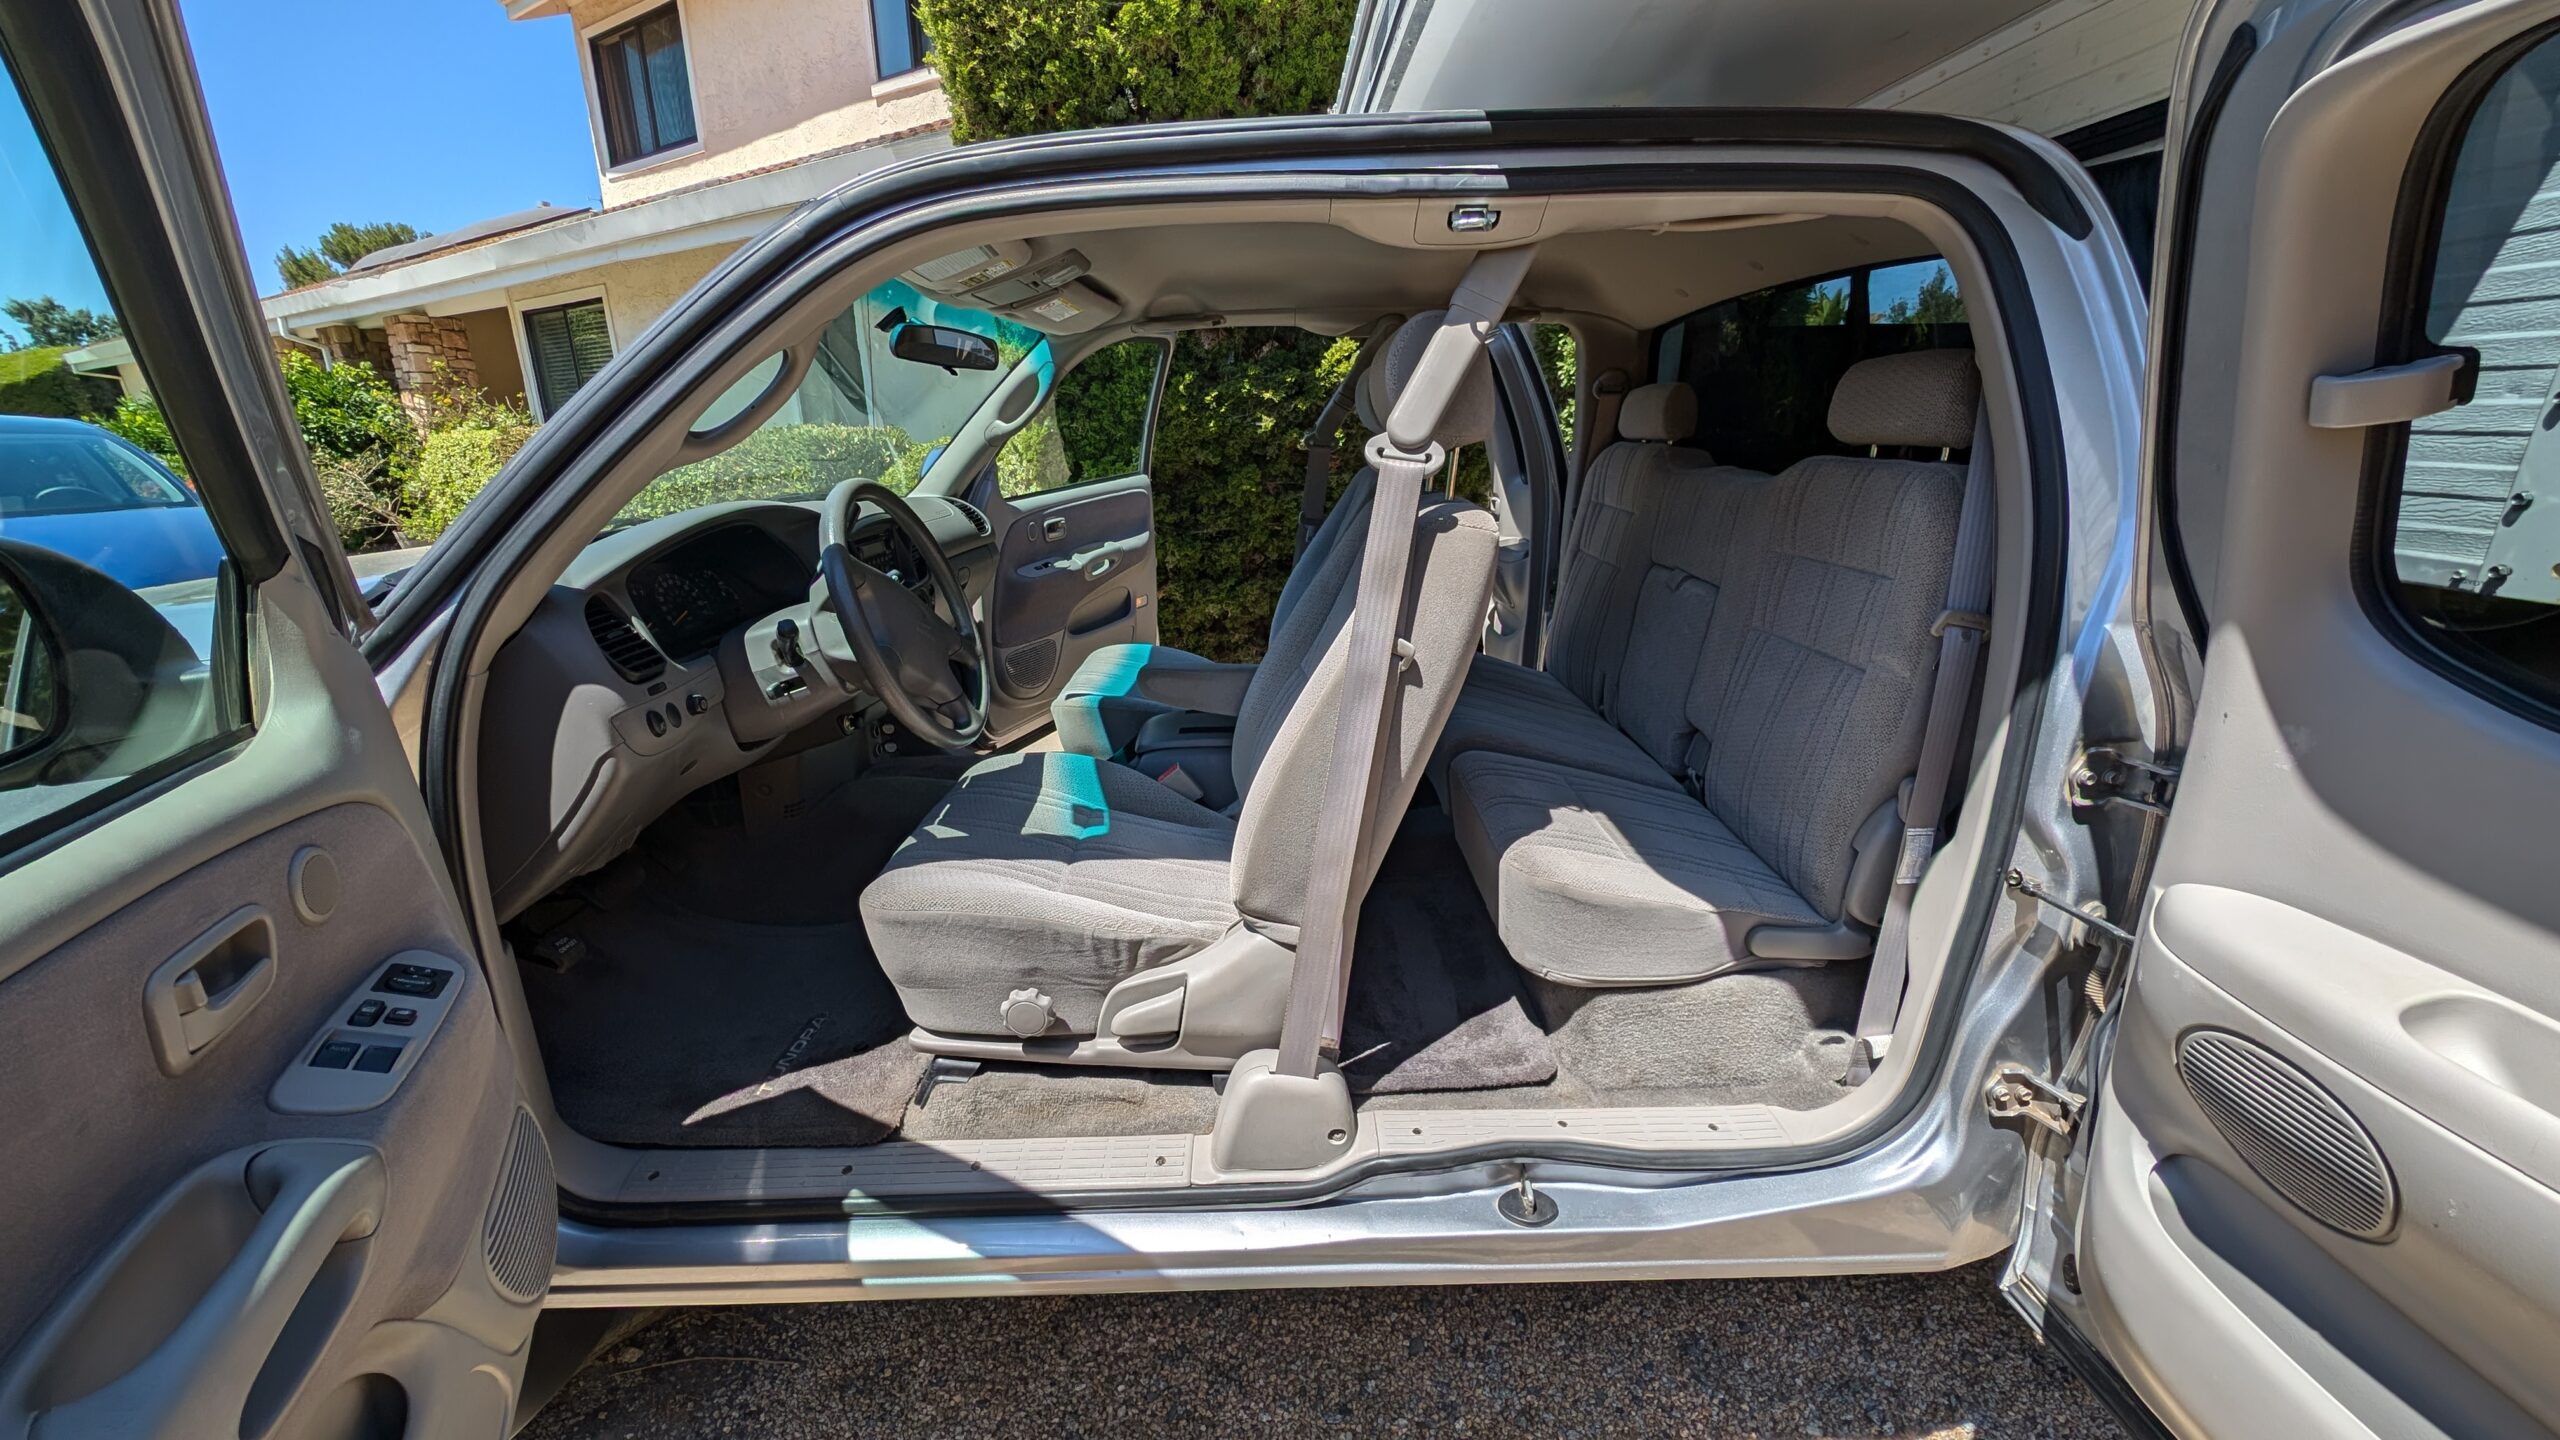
{"points": [[1071, 309]]}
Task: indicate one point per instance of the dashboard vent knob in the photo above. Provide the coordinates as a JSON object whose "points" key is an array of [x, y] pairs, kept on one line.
{"points": [[633, 657]]}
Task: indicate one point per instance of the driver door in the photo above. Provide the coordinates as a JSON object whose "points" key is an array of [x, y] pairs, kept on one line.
{"points": [[2315, 1188], [265, 1170]]}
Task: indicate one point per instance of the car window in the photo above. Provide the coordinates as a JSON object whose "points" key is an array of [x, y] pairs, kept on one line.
{"points": [[1093, 427], [861, 411], [2471, 509], [1764, 364], [119, 630]]}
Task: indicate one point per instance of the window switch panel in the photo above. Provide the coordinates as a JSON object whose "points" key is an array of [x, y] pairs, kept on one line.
{"points": [[384, 1029]]}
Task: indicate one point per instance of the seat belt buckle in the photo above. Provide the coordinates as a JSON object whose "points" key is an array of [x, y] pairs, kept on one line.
{"points": [[1917, 846], [1176, 779]]}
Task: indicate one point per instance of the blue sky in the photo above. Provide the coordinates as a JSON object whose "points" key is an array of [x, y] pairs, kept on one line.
{"points": [[436, 112]]}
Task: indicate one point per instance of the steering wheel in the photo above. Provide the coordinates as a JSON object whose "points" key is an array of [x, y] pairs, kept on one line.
{"points": [[912, 658]]}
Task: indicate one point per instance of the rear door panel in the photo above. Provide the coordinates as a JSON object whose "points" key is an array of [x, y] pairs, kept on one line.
{"points": [[2319, 1192]]}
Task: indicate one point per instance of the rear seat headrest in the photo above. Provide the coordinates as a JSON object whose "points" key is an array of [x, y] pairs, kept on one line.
{"points": [[1468, 416], [1923, 398], [1668, 411]]}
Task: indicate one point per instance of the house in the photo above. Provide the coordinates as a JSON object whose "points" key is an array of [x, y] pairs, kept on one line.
{"points": [[711, 119]]}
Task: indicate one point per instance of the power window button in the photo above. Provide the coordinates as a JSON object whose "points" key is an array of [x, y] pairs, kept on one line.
{"points": [[378, 1059], [335, 1055], [424, 981]]}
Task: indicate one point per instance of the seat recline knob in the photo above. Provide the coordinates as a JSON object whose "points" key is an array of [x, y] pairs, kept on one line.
{"points": [[1028, 1013]]}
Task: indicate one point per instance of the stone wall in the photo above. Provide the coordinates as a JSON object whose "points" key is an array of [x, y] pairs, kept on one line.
{"points": [[427, 353]]}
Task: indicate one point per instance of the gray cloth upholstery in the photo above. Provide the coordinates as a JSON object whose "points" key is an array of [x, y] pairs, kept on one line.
{"points": [[1646, 561], [1070, 872], [1119, 688], [1284, 738], [1058, 871], [1764, 645], [1667, 411], [1923, 398], [1467, 417], [1596, 880]]}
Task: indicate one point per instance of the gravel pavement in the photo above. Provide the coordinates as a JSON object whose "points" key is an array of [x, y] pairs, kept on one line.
{"points": [[1900, 1356]]}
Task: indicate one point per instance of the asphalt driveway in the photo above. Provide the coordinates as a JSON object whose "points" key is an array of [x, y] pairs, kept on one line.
{"points": [[1901, 1356]]}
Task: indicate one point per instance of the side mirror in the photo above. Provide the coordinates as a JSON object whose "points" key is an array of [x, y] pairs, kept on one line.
{"points": [[93, 680], [953, 350], [31, 699]]}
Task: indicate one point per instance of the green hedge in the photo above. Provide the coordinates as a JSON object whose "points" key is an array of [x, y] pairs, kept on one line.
{"points": [[34, 381], [786, 461]]}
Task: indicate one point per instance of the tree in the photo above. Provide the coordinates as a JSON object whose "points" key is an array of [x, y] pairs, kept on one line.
{"points": [[1934, 303], [48, 321], [339, 250]]}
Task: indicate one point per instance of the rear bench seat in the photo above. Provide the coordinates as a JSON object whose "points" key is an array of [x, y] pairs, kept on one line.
{"points": [[1706, 775]]}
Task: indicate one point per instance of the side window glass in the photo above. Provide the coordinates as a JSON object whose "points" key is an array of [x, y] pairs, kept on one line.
{"points": [[1094, 426], [119, 660], [1764, 364], [2474, 532]]}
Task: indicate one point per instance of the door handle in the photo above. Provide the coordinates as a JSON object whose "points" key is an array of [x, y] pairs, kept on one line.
{"points": [[1053, 527], [2393, 394], [196, 996], [308, 1198]]}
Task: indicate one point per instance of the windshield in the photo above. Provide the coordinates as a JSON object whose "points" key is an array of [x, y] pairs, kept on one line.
{"points": [[860, 412], [79, 472]]}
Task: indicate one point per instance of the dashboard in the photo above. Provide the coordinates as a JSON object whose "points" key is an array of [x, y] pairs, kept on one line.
{"points": [[632, 684]]}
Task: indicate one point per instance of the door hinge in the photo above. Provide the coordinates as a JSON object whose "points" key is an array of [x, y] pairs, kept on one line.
{"points": [[2106, 775], [2015, 1093]]}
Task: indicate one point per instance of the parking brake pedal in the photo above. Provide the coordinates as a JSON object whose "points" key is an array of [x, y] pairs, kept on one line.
{"points": [[945, 1068]]}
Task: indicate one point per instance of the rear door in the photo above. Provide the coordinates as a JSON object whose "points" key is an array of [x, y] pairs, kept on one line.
{"points": [[1073, 511], [2318, 1185], [265, 1171]]}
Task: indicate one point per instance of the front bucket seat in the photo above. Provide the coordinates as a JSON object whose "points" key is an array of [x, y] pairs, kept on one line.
{"points": [[1065, 907]]}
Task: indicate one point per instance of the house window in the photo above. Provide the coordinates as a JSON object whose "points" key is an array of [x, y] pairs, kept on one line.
{"points": [[642, 87], [568, 345], [896, 37]]}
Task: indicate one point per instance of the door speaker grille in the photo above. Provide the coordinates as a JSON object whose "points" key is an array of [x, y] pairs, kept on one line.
{"points": [[521, 1235], [1027, 668], [2293, 1133]]}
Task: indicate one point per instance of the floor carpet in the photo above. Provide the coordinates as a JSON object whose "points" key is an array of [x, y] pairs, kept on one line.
{"points": [[1436, 1004], [728, 995]]}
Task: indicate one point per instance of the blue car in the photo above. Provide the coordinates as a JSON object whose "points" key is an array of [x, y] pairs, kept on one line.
{"points": [[80, 491]]}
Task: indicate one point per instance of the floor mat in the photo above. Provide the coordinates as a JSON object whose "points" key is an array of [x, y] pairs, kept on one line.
{"points": [[729, 996], [1436, 1004]]}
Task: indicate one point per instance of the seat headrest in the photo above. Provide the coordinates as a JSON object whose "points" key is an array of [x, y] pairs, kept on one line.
{"points": [[1924, 398], [1466, 419], [1668, 411]]}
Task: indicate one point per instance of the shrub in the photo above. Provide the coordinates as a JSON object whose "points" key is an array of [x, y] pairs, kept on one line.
{"points": [[456, 463], [786, 462], [138, 419], [34, 381], [360, 439]]}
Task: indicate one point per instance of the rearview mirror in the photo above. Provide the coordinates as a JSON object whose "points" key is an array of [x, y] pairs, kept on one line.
{"points": [[953, 350]]}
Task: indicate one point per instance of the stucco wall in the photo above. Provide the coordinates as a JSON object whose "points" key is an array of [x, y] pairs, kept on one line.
{"points": [[773, 81], [636, 292]]}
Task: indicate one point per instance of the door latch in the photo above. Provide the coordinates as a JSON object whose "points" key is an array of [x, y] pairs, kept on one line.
{"points": [[2015, 1093], [2105, 775]]}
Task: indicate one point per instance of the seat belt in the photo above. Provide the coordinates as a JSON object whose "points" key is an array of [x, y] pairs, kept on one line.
{"points": [[1328, 429], [1961, 629], [1405, 457]]}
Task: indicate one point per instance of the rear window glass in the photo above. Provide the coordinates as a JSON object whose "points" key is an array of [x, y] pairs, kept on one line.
{"points": [[1764, 364]]}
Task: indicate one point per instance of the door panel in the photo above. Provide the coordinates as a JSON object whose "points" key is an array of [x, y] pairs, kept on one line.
{"points": [[2320, 1178], [259, 1179], [1075, 571]]}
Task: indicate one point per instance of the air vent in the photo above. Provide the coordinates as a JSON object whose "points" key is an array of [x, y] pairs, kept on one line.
{"points": [[622, 643], [2293, 1133], [520, 1236], [977, 517]]}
